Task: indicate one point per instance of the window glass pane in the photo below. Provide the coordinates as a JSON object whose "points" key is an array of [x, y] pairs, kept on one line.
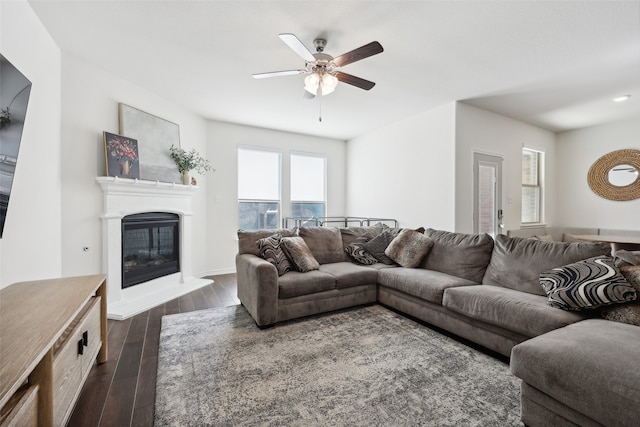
{"points": [[258, 174], [486, 199], [307, 178], [258, 215], [307, 210], [530, 204], [530, 167]]}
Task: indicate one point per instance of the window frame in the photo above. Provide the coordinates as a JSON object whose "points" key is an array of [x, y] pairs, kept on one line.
{"points": [[293, 202], [241, 201]]}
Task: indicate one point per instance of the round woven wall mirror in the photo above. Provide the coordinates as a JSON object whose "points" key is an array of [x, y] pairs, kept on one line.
{"points": [[609, 172]]}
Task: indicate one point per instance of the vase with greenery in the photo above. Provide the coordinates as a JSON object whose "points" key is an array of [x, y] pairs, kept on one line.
{"points": [[188, 161]]}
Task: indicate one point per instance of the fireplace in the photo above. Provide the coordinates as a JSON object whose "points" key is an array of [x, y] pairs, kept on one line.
{"points": [[150, 247], [125, 199]]}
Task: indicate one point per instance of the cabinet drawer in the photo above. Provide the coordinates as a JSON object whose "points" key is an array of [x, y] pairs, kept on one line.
{"points": [[73, 358], [67, 377], [22, 409], [90, 332]]}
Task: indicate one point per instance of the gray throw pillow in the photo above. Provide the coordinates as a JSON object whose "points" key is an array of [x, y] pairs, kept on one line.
{"points": [[517, 262], [409, 248], [461, 255], [356, 251], [378, 245], [248, 239], [271, 251], [349, 234], [586, 284], [629, 312], [299, 254], [624, 257]]}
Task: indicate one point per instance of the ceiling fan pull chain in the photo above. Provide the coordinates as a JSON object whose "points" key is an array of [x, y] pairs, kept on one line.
{"points": [[320, 103]]}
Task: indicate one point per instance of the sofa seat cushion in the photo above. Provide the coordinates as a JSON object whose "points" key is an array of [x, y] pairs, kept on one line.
{"points": [[516, 262], [295, 284], [348, 274], [428, 285], [521, 312], [592, 367]]}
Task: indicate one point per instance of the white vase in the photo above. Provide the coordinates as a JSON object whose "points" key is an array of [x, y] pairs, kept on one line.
{"points": [[186, 179]]}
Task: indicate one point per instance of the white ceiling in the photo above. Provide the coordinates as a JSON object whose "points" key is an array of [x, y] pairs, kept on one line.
{"points": [[556, 64]]}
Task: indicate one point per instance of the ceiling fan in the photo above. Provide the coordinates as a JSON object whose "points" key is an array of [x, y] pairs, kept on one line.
{"points": [[324, 70]]}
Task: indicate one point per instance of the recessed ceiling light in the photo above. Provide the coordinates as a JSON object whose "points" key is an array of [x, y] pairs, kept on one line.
{"points": [[621, 98]]}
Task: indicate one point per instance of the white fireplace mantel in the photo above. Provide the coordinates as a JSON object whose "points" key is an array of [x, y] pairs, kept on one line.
{"points": [[124, 197]]}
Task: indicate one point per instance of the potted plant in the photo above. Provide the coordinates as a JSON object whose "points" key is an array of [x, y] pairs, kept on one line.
{"points": [[188, 161]]}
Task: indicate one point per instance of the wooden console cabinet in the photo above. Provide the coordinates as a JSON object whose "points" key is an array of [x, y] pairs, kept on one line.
{"points": [[51, 332]]}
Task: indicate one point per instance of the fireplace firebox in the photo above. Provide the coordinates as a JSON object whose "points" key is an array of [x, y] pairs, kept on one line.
{"points": [[150, 247]]}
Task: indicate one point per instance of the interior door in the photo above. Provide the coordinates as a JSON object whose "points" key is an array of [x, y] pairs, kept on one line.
{"points": [[487, 194]]}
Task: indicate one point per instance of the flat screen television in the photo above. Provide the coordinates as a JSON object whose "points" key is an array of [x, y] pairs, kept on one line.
{"points": [[15, 89]]}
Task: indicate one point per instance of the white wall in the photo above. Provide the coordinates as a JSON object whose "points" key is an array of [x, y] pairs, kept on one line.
{"points": [[406, 171], [30, 248], [482, 131], [223, 140], [577, 150], [90, 106]]}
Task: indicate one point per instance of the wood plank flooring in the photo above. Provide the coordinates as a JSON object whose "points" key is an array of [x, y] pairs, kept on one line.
{"points": [[122, 391]]}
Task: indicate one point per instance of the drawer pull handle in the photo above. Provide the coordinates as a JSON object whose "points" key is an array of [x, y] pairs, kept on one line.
{"points": [[85, 338], [80, 347]]}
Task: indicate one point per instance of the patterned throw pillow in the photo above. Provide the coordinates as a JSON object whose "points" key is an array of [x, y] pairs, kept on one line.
{"points": [[409, 248], [591, 283], [630, 312], [378, 245], [299, 254], [271, 251], [356, 251]]}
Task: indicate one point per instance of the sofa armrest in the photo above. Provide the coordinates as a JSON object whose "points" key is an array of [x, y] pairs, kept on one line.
{"points": [[258, 288]]}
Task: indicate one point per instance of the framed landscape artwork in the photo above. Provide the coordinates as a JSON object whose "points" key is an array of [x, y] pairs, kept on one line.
{"points": [[121, 156], [155, 136]]}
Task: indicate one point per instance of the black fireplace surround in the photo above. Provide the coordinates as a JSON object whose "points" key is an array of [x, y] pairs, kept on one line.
{"points": [[150, 247]]}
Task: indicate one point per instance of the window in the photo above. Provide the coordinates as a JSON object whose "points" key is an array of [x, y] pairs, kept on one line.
{"points": [[308, 183], [258, 189], [531, 186]]}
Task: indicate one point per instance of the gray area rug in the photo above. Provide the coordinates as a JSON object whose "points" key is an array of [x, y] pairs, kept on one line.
{"points": [[362, 367]]}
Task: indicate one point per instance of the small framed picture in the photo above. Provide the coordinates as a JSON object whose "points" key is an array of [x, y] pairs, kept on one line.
{"points": [[121, 156]]}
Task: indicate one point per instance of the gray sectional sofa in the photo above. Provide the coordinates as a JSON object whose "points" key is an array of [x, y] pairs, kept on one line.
{"points": [[481, 289]]}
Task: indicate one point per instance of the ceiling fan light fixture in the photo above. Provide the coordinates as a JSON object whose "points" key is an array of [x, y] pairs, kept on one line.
{"points": [[327, 81], [311, 83]]}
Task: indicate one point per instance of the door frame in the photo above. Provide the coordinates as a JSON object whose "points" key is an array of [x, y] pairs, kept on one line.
{"points": [[493, 160]]}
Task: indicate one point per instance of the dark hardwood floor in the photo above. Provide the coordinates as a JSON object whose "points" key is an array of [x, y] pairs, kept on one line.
{"points": [[122, 391]]}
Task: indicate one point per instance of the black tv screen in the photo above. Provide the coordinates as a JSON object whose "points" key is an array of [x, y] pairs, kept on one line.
{"points": [[15, 89]]}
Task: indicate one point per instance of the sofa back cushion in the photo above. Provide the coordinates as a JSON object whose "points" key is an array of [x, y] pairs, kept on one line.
{"points": [[458, 254], [517, 262], [248, 239], [325, 243]]}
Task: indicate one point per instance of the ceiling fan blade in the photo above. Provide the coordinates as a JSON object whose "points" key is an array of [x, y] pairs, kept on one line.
{"points": [[355, 81], [294, 43], [362, 52], [278, 74], [308, 95]]}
